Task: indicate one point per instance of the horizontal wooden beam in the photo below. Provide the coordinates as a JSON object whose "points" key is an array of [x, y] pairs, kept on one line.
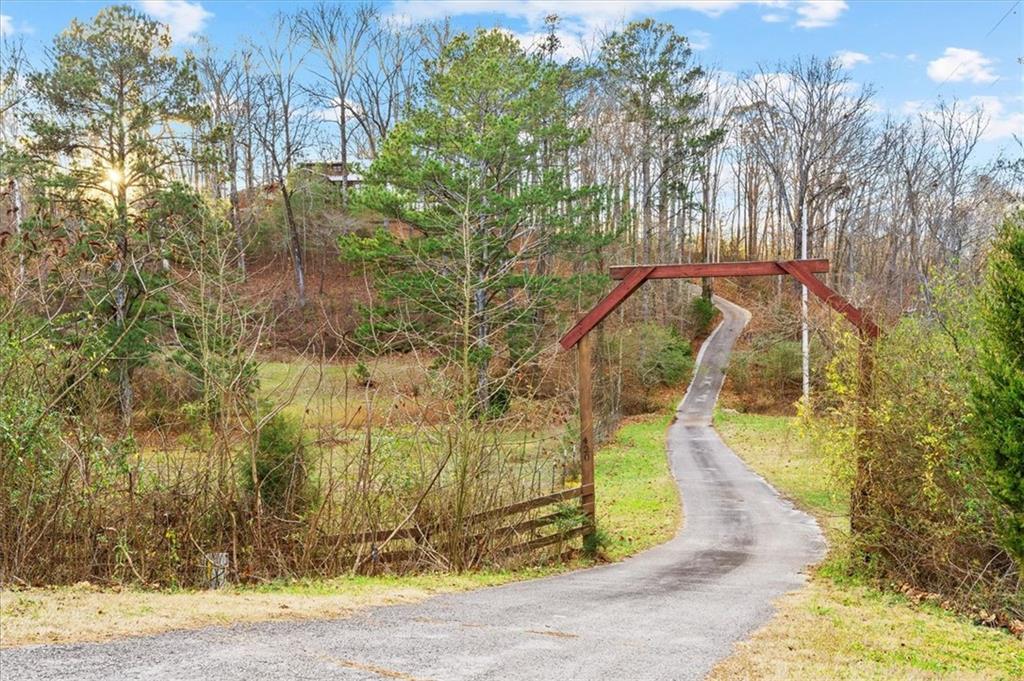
{"points": [[512, 509], [718, 269]]}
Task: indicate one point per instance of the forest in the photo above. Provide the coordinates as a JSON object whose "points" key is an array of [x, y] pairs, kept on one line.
{"points": [[297, 304]]}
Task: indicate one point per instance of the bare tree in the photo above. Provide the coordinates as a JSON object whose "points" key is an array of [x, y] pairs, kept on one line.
{"points": [[285, 124], [13, 98], [386, 80], [338, 34], [808, 126], [224, 81]]}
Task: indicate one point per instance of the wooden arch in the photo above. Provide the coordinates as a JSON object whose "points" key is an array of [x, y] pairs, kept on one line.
{"points": [[631, 277]]}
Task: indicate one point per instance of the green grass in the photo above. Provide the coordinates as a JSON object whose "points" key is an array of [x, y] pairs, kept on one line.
{"points": [[839, 627], [637, 498]]}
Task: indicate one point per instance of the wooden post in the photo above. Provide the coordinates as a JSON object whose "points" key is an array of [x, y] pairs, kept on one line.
{"points": [[586, 388]]}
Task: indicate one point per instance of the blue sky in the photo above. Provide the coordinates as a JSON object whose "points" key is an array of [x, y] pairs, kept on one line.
{"points": [[912, 52]]}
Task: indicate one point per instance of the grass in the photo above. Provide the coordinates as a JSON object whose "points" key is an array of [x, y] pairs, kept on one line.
{"points": [[838, 627], [637, 498], [638, 508]]}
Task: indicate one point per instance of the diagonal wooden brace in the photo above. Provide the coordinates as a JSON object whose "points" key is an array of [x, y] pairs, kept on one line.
{"points": [[841, 305], [607, 305]]}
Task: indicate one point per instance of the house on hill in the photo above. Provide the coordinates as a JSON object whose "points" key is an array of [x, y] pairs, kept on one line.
{"points": [[335, 171]]}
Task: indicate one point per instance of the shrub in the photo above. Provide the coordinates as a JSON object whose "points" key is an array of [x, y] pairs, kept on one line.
{"points": [[361, 373], [651, 356], [702, 314], [29, 431], [767, 373], [927, 516], [281, 478]]}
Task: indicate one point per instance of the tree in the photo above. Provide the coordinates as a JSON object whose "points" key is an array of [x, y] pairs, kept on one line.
{"points": [[113, 98], [386, 80], [14, 96], [338, 35], [998, 393], [224, 82], [284, 126], [809, 133], [647, 70], [465, 171]]}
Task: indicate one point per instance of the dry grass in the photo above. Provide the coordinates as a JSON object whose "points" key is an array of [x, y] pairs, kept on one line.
{"points": [[86, 613], [830, 631]]}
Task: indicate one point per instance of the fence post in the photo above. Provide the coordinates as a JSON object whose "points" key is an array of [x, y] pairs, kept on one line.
{"points": [[216, 570], [586, 398]]}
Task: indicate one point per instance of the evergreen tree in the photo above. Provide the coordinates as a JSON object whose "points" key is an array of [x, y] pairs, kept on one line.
{"points": [[478, 170], [113, 102], [647, 67], [999, 390]]}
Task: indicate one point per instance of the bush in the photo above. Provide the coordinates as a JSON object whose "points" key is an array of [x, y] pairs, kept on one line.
{"points": [[30, 445], [281, 480], [926, 516], [768, 374], [702, 314]]}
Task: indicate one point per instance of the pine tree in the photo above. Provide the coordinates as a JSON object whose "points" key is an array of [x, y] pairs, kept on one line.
{"points": [[111, 99], [998, 393], [477, 170]]}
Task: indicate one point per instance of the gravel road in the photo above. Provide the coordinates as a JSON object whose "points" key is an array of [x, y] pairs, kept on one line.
{"points": [[668, 613]]}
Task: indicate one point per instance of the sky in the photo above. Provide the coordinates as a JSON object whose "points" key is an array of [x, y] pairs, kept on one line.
{"points": [[912, 52]]}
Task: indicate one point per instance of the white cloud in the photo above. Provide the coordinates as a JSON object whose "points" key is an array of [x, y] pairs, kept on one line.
{"points": [[570, 45], [6, 24], [848, 59], [819, 13], [592, 16], [534, 11], [185, 19], [699, 40], [912, 56], [912, 107], [1003, 117], [958, 64], [1002, 123], [581, 23]]}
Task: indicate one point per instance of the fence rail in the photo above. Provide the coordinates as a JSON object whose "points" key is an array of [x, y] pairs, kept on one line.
{"points": [[421, 535]]}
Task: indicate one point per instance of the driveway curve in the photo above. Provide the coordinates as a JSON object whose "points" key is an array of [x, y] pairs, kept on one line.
{"points": [[669, 613]]}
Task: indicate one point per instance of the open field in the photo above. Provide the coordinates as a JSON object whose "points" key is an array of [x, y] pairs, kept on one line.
{"points": [[638, 508], [836, 628]]}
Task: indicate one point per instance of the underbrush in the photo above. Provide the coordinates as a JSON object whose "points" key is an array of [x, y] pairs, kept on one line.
{"points": [[765, 370], [637, 508], [327, 453], [927, 515], [642, 359]]}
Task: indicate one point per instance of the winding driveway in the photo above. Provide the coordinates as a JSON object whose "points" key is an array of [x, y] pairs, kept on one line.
{"points": [[669, 613]]}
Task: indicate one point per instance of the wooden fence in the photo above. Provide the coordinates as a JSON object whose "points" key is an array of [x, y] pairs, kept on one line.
{"points": [[523, 535]]}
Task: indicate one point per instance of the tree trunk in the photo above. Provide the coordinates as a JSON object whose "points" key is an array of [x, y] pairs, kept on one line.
{"points": [[296, 246]]}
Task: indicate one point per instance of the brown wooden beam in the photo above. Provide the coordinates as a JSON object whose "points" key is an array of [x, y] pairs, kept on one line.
{"points": [[804, 275], [586, 401], [630, 283], [718, 269]]}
